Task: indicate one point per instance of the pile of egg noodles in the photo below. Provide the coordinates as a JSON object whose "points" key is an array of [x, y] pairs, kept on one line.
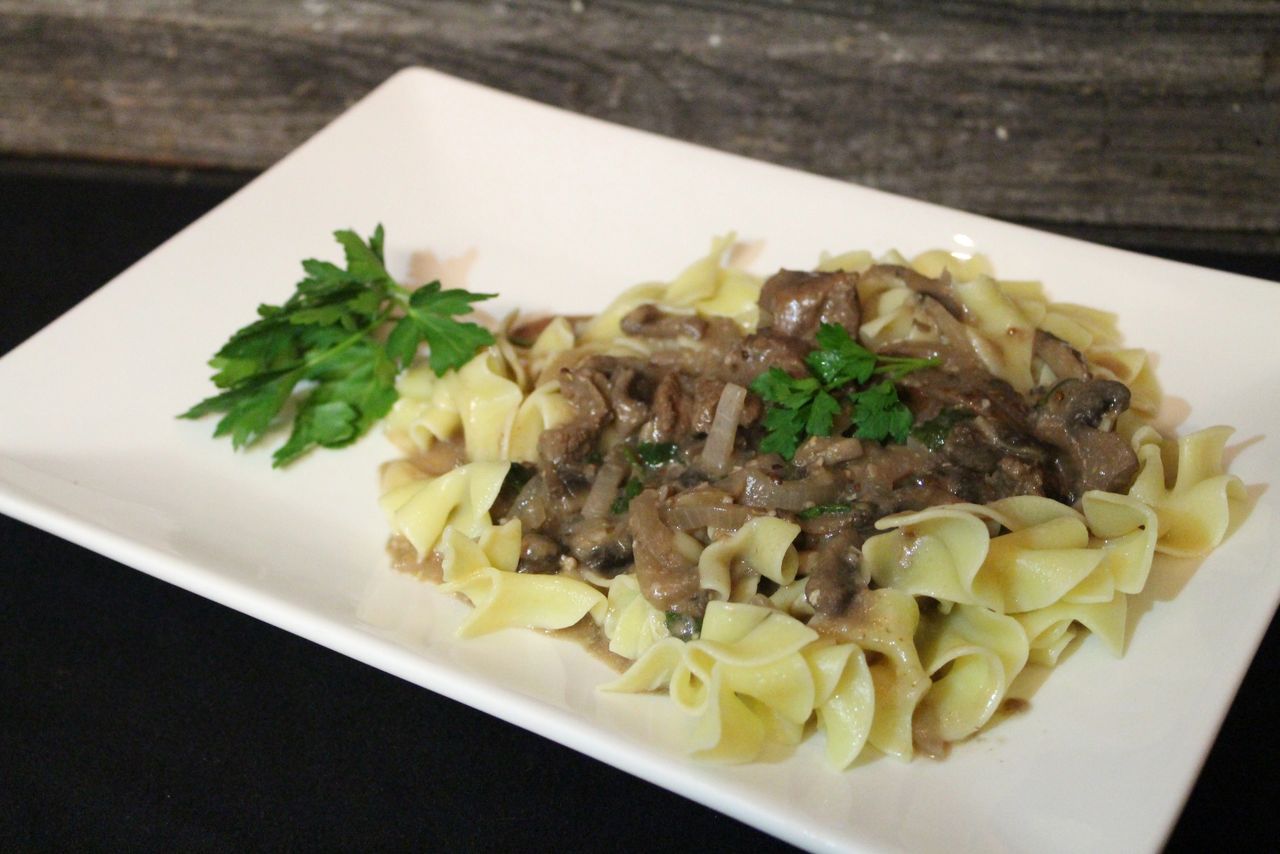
{"points": [[962, 597]]}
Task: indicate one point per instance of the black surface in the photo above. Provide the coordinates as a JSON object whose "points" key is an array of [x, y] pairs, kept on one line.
{"points": [[134, 715]]}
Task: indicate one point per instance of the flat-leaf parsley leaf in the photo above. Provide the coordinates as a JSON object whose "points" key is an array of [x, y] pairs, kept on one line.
{"points": [[807, 406], [325, 335]]}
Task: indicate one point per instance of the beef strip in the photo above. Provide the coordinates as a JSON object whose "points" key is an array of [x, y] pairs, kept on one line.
{"points": [[627, 387], [685, 406], [798, 302], [649, 321], [667, 579], [587, 391], [768, 349], [833, 578], [670, 409]]}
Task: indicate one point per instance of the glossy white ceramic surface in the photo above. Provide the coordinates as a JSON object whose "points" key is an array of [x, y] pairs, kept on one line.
{"points": [[553, 210]]}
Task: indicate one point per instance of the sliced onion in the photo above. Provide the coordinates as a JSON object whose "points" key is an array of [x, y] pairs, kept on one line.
{"points": [[726, 517], [603, 490], [724, 429], [761, 490], [530, 504]]}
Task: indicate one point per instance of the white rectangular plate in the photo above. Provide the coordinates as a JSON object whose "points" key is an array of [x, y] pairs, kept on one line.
{"points": [[552, 210]]}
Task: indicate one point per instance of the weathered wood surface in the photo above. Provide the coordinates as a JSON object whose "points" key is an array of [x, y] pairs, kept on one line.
{"points": [[1155, 121]]}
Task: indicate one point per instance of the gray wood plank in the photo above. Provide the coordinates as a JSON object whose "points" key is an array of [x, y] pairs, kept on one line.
{"points": [[1158, 119]]}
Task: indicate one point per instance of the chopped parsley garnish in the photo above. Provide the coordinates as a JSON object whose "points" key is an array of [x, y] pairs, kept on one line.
{"points": [[825, 510], [880, 414], [620, 504], [807, 406], [934, 432], [652, 454], [325, 336]]}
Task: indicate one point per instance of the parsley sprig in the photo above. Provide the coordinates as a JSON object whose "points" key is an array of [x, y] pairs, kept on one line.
{"points": [[326, 336], [807, 406]]}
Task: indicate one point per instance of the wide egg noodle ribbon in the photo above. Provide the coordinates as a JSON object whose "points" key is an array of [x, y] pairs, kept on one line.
{"points": [[999, 332], [504, 600], [1195, 511], [884, 621], [632, 624], [462, 556], [936, 552], [744, 681], [948, 553], [545, 407], [733, 565], [1050, 630], [982, 652], [420, 510], [845, 699], [707, 287], [480, 400]]}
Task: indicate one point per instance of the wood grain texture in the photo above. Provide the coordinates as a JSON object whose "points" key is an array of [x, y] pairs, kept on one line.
{"points": [[1156, 120]]}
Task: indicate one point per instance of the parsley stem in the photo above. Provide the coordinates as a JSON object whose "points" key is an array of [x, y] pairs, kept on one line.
{"points": [[355, 338]]}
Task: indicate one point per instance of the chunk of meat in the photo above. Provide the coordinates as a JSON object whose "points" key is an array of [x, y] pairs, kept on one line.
{"points": [[947, 484], [1076, 418], [833, 578], [649, 321], [587, 391], [1016, 477], [685, 405], [566, 487], [768, 349], [667, 578], [669, 409], [928, 392], [799, 302], [705, 399], [995, 420], [626, 398], [601, 390]]}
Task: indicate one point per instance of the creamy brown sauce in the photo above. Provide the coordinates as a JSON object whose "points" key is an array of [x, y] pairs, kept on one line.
{"points": [[404, 558], [592, 638]]}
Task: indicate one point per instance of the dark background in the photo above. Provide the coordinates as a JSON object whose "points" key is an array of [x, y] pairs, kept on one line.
{"points": [[134, 715]]}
